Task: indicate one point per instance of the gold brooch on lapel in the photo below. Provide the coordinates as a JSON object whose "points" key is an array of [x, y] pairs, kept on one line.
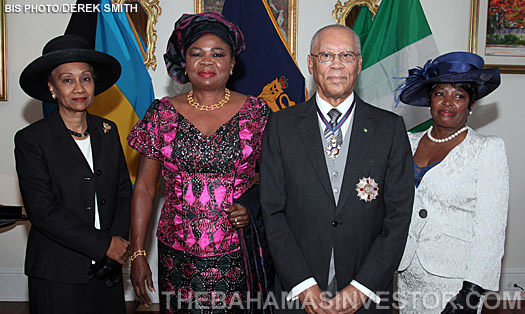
{"points": [[367, 189], [106, 127]]}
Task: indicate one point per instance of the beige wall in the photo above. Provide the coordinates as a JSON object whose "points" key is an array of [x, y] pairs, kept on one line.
{"points": [[500, 113]]}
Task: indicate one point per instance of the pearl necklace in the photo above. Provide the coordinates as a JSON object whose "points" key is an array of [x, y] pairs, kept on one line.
{"points": [[446, 139], [221, 103]]}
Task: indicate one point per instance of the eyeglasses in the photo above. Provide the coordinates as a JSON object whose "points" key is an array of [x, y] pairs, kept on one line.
{"points": [[327, 57]]}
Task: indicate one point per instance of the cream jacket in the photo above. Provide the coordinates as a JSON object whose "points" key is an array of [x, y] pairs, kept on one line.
{"points": [[466, 201]]}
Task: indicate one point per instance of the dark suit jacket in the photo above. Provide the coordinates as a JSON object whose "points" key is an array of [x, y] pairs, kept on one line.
{"points": [[58, 191], [301, 219]]}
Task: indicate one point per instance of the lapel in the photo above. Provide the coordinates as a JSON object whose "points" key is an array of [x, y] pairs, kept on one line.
{"points": [[357, 152], [308, 125], [95, 129], [64, 141]]}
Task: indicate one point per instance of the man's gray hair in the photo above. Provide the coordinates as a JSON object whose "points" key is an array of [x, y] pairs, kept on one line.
{"points": [[315, 38]]}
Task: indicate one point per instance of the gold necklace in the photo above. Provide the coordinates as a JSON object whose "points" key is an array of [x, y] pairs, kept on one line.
{"points": [[221, 103]]}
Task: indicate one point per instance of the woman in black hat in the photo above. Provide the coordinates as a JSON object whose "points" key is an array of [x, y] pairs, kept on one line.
{"points": [[457, 233], [74, 183], [206, 142]]}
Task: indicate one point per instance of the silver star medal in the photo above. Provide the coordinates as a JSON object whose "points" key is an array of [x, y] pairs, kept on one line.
{"points": [[367, 189], [332, 150]]}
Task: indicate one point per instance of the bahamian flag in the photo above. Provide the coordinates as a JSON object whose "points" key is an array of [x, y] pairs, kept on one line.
{"points": [[266, 68], [126, 101], [396, 39]]}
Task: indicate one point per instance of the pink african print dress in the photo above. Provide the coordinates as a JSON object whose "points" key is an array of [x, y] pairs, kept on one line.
{"points": [[203, 174]]}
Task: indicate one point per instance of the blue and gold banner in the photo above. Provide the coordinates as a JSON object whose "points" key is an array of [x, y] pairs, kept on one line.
{"points": [[112, 32], [266, 68]]}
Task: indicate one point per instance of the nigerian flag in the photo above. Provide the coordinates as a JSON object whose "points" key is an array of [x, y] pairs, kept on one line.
{"points": [[396, 39]]}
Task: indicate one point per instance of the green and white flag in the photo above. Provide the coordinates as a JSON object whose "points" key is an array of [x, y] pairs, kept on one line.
{"points": [[396, 39]]}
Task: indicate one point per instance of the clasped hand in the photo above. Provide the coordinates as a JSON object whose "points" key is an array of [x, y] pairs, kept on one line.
{"points": [[238, 216], [110, 266], [347, 301], [118, 250]]}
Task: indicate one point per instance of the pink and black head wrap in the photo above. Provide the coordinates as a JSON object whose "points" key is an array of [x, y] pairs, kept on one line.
{"points": [[188, 29]]}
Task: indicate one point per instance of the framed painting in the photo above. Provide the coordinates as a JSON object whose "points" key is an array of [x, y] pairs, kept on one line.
{"points": [[3, 53], [144, 19], [284, 12], [497, 33], [345, 14]]}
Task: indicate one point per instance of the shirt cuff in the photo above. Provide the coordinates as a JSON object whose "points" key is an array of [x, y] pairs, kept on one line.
{"points": [[294, 293], [366, 291]]}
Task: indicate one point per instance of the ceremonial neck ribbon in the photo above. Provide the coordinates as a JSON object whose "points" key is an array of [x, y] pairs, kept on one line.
{"points": [[341, 121]]}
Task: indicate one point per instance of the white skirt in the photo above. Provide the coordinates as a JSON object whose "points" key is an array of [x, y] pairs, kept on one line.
{"points": [[420, 292]]}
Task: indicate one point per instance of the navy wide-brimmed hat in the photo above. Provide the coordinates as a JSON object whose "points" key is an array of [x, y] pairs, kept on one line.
{"points": [[453, 67], [66, 49]]}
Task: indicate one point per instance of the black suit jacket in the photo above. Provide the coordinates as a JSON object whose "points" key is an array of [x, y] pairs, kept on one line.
{"points": [[301, 219], [58, 191]]}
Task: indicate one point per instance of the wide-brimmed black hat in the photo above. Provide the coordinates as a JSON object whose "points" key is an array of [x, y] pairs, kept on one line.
{"points": [[453, 67], [66, 49]]}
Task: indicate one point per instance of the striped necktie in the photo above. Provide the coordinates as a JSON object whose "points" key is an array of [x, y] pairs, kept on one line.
{"points": [[333, 114]]}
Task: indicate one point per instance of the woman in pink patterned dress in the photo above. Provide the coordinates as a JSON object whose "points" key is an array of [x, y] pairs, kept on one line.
{"points": [[206, 144]]}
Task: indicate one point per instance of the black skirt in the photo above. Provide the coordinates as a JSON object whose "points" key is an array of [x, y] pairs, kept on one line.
{"points": [[51, 297], [193, 284]]}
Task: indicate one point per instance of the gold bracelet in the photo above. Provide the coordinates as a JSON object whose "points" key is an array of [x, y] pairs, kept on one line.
{"points": [[137, 254]]}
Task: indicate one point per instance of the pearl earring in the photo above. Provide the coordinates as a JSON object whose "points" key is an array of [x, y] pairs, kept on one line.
{"points": [[470, 112]]}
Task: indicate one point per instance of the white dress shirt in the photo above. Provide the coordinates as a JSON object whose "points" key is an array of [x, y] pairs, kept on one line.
{"points": [[324, 107]]}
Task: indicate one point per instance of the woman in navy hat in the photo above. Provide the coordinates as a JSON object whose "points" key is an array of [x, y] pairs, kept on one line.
{"points": [[455, 243], [74, 184]]}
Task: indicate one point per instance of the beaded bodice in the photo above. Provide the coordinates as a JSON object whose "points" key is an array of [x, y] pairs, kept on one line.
{"points": [[203, 174]]}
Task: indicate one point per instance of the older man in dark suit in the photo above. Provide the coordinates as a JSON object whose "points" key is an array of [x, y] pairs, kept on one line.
{"points": [[336, 189]]}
